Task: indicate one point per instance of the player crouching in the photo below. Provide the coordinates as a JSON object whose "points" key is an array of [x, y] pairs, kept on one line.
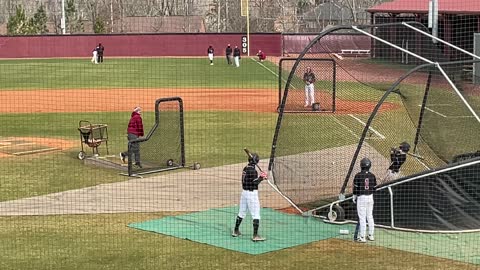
{"points": [[249, 199]]}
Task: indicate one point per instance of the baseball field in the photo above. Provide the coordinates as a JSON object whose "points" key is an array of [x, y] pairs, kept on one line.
{"points": [[56, 212]]}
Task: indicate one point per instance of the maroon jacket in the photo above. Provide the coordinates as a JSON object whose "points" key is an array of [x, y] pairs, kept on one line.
{"points": [[135, 126]]}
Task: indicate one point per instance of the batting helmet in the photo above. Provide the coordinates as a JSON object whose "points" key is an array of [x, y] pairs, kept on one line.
{"points": [[365, 164], [254, 159], [405, 147]]}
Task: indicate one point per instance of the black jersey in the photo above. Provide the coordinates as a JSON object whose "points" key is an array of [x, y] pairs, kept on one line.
{"points": [[364, 183], [210, 50], [236, 52], [228, 50], [397, 158], [100, 50], [250, 178], [309, 77]]}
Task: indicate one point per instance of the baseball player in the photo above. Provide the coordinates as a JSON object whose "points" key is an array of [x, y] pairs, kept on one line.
{"points": [[236, 56], [134, 131], [364, 185], [94, 56], [398, 156], [249, 199], [261, 56], [210, 51], [309, 79], [100, 50], [228, 54]]}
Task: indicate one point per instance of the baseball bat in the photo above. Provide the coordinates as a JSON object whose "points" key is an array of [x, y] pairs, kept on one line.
{"points": [[250, 156], [416, 156]]}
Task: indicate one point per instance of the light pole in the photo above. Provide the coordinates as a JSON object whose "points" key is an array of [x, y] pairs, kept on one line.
{"points": [[62, 22]]}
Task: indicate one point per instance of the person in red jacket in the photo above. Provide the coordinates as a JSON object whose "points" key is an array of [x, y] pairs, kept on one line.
{"points": [[134, 131], [261, 56]]}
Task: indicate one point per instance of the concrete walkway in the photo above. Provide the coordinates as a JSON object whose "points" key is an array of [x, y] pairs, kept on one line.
{"points": [[182, 191]]}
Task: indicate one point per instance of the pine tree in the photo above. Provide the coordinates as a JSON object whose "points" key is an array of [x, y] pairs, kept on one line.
{"points": [[40, 20], [16, 24]]}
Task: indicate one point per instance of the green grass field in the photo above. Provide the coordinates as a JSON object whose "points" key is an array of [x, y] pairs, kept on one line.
{"points": [[132, 73], [213, 138]]}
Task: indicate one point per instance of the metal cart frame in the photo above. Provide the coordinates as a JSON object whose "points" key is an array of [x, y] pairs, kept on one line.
{"points": [[92, 135]]}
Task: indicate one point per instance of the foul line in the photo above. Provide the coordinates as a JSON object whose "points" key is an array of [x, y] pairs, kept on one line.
{"points": [[433, 111], [349, 130], [370, 128], [265, 67]]}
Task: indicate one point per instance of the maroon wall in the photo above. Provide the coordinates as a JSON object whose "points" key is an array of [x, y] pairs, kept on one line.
{"points": [[329, 43], [133, 45]]}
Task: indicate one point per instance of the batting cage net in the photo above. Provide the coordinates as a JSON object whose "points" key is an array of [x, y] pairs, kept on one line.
{"points": [[163, 148], [306, 95], [403, 105]]}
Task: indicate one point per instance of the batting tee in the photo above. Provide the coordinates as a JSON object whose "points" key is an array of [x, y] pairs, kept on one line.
{"points": [[405, 90]]}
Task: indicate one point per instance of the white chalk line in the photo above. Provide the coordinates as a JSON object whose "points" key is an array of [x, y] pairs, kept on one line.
{"points": [[433, 111], [370, 128], [443, 115]]}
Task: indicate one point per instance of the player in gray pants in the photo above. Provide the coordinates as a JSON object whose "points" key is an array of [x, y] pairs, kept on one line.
{"points": [[134, 131]]}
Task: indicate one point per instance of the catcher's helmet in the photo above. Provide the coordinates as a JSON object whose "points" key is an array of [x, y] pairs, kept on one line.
{"points": [[405, 147], [365, 164], [254, 159]]}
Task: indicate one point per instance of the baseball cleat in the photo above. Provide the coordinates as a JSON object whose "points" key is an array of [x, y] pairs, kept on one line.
{"points": [[371, 238], [236, 233], [257, 238], [122, 157], [361, 240]]}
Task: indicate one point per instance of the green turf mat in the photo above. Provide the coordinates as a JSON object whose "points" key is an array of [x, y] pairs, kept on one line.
{"points": [[214, 227], [455, 246]]}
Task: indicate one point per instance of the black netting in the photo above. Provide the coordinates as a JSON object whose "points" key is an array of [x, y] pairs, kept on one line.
{"points": [[315, 156], [163, 146]]}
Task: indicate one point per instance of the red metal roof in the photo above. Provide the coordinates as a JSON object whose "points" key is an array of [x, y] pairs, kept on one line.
{"points": [[421, 6]]}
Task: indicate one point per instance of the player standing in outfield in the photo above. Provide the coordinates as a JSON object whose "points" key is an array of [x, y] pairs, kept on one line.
{"points": [[94, 56], [228, 54], [236, 56], [398, 156], [100, 50], [249, 199], [210, 52], [261, 56], [309, 79], [134, 131], [364, 185]]}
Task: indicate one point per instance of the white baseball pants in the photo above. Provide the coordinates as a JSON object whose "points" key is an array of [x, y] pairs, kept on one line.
{"points": [[210, 56], [94, 57], [249, 202], [237, 61], [309, 94], [365, 213]]}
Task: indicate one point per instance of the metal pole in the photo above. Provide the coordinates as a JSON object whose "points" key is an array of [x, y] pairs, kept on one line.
{"points": [[63, 22], [441, 40], [458, 92], [248, 30], [391, 44]]}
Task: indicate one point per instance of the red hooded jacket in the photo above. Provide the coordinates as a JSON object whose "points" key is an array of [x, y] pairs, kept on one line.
{"points": [[135, 126]]}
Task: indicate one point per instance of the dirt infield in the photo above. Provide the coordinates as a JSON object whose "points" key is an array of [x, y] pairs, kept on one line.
{"points": [[113, 100]]}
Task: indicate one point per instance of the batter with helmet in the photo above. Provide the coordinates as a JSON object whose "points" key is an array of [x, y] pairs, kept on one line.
{"points": [[249, 200], [364, 185], [398, 156]]}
